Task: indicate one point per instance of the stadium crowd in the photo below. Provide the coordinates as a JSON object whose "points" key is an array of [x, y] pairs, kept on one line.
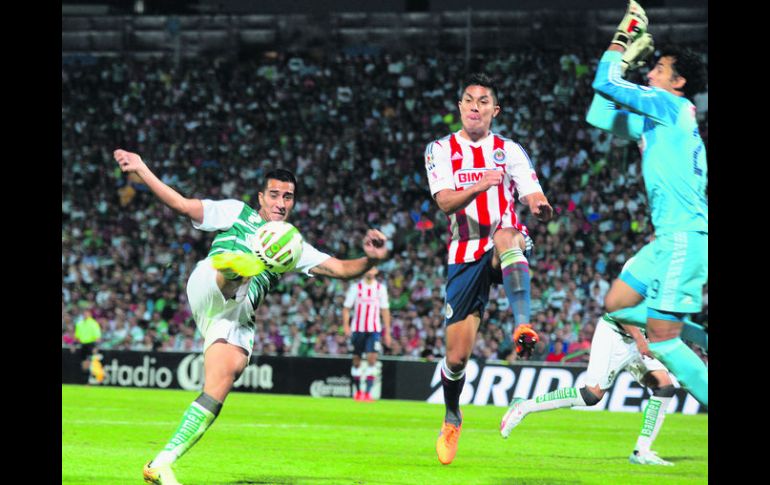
{"points": [[353, 129]]}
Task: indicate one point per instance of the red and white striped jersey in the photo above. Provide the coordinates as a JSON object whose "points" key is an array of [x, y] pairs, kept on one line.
{"points": [[366, 302], [456, 163]]}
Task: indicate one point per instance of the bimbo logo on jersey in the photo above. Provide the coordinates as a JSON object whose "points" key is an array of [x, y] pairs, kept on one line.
{"points": [[469, 176]]}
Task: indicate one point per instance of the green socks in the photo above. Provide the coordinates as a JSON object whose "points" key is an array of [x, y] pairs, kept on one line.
{"points": [[196, 420], [560, 398], [654, 414]]}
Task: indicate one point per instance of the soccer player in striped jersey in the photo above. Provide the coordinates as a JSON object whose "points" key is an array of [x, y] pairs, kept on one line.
{"points": [[473, 175], [367, 298], [664, 282], [223, 301]]}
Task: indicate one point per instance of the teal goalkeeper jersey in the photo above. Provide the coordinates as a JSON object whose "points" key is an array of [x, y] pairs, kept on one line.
{"points": [[673, 154]]}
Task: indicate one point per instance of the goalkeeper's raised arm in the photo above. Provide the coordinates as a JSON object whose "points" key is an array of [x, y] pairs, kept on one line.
{"points": [[631, 28]]}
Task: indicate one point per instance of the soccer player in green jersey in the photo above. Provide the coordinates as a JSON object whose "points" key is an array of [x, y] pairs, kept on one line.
{"points": [[664, 282], [223, 296]]}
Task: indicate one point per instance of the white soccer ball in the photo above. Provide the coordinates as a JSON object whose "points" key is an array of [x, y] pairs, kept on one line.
{"points": [[278, 244]]}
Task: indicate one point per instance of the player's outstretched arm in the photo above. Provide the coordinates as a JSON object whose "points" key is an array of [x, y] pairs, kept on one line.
{"points": [[346, 321], [132, 163], [374, 247], [604, 115], [655, 104]]}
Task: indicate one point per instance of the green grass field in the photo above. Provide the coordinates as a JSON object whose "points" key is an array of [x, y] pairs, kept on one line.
{"points": [[109, 433]]}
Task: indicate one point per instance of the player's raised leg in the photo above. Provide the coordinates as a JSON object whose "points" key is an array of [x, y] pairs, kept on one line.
{"points": [[510, 245]]}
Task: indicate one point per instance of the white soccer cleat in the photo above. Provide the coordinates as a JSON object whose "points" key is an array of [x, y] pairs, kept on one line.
{"points": [[512, 417], [160, 475], [649, 458]]}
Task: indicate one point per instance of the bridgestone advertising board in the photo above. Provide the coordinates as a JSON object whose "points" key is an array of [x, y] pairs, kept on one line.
{"points": [[485, 383]]}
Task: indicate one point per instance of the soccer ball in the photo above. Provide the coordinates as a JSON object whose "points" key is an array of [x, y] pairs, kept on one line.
{"points": [[278, 244]]}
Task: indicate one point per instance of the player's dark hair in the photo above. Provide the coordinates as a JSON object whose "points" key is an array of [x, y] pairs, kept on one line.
{"points": [[480, 79], [279, 174], [688, 64]]}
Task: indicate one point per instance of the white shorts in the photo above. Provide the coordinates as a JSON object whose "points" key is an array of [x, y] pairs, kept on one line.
{"points": [[612, 353], [215, 317]]}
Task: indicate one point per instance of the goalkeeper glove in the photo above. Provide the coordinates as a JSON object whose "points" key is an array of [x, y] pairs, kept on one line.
{"points": [[636, 54], [237, 264], [633, 25]]}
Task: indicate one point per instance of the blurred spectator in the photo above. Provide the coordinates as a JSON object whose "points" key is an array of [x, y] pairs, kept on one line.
{"points": [[579, 350], [557, 351]]}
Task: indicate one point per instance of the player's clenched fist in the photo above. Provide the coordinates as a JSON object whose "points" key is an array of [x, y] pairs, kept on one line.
{"points": [[490, 178], [374, 244], [128, 161]]}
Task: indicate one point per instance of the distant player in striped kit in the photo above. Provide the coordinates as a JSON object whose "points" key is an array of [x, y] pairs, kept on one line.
{"points": [[473, 176], [224, 297], [663, 284], [367, 298]]}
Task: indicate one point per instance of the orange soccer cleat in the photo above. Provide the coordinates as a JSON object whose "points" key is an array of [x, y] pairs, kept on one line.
{"points": [[525, 338], [446, 445]]}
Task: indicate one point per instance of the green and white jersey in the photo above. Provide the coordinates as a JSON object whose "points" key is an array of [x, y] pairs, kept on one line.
{"points": [[237, 223]]}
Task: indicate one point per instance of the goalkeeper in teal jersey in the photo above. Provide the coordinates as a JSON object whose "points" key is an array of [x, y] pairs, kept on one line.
{"points": [[664, 282], [226, 287]]}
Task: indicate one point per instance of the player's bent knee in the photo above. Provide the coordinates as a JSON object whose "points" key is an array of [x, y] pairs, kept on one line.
{"points": [[590, 396], [664, 391], [456, 363], [509, 238]]}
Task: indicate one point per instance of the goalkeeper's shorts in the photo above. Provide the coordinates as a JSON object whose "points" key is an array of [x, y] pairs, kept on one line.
{"points": [[217, 317], [670, 272]]}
